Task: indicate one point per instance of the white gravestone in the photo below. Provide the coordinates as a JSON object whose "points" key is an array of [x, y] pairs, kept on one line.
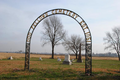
{"points": [[72, 60], [40, 59], [10, 58], [67, 60], [58, 59]]}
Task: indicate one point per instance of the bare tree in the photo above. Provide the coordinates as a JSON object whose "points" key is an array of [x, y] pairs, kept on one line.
{"points": [[53, 32], [73, 44], [113, 40]]}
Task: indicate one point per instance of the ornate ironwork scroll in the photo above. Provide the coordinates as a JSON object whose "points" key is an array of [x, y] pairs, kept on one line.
{"points": [[82, 23]]}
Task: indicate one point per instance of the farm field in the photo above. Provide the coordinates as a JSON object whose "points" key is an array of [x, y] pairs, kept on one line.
{"points": [[103, 68]]}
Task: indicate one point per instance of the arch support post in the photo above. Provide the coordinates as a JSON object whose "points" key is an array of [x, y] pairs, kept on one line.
{"points": [[88, 60], [27, 56]]}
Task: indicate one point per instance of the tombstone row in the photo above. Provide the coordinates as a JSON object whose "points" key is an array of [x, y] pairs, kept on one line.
{"points": [[66, 60]]}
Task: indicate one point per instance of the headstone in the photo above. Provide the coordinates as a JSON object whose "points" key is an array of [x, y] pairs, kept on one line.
{"points": [[67, 60], [58, 59], [72, 60], [10, 58], [40, 59], [82, 61]]}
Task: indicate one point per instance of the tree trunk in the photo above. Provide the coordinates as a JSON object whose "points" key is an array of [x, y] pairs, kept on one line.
{"points": [[76, 54], [52, 51], [118, 56]]}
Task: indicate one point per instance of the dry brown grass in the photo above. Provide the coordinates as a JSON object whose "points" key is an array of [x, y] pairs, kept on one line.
{"points": [[6, 55], [9, 65], [18, 55]]}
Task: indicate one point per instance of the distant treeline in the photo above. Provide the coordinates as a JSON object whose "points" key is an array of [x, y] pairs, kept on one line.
{"points": [[109, 54]]}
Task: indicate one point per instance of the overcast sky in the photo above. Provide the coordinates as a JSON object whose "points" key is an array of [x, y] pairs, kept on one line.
{"points": [[16, 17]]}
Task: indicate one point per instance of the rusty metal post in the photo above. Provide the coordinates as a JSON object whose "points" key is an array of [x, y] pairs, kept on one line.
{"points": [[80, 56]]}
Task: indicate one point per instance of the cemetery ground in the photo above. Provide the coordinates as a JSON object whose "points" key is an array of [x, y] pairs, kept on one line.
{"points": [[103, 68]]}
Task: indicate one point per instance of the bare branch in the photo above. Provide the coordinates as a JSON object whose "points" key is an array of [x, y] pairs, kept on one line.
{"points": [[113, 40], [73, 43]]}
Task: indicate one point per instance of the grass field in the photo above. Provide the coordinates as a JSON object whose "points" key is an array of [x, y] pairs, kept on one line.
{"points": [[103, 68]]}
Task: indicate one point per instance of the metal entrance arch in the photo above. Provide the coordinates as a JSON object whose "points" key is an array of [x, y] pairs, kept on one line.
{"points": [[81, 22]]}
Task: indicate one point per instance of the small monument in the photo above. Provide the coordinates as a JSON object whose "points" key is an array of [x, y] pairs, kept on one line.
{"points": [[10, 58], [67, 60], [58, 59], [72, 60], [40, 59]]}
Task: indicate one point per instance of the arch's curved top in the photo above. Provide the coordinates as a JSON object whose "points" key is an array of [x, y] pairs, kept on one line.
{"points": [[63, 12]]}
